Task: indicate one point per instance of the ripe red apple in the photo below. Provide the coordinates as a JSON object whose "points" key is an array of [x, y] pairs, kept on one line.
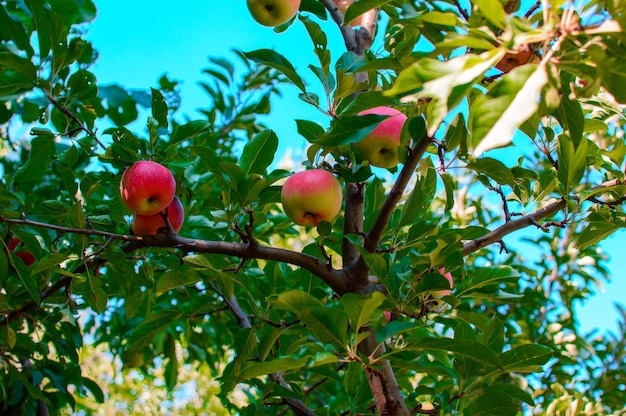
{"points": [[273, 12], [312, 196], [26, 256], [343, 6], [380, 147], [147, 187], [150, 224]]}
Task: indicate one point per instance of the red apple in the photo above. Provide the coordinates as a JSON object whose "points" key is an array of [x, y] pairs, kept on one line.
{"points": [[26, 256], [273, 12], [380, 147], [150, 224], [312, 196], [147, 187]]}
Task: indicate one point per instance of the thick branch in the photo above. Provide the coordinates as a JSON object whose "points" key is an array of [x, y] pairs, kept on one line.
{"points": [[511, 226], [334, 278], [374, 235], [353, 263], [387, 395]]}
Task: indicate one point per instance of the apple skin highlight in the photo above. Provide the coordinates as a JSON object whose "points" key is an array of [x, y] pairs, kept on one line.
{"points": [[312, 196], [380, 147], [147, 187]]}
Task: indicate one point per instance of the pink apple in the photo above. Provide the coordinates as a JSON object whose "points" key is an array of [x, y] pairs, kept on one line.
{"points": [[147, 187], [273, 12], [150, 224], [380, 147], [312, 196]]}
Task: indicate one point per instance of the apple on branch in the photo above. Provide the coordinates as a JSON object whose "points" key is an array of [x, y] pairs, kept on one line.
{"points": [[147, 187], [273, 12], [380, 147], [312, 196], [151, 224]]}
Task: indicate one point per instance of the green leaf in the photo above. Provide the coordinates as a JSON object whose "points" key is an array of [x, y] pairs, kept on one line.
{"points": [[429, 77], [493, 334], [41, 153], [570, 115], [294, 301], [90, 287], [310, 130], [83, 85], [485, 276], [494, 404], [494, 169], [190, 130], [329, 325], [358, 8], [496, 115], [48, 262], [12, 28], [493, 11], [527, 357], [470, 349], [350, 129], [148, 329], [275, 60], [173, 279], [598, 228], [50, 27], [571, 162], [259, 153], [280, 364], [159, 108], [361, 308], [513, 391]]}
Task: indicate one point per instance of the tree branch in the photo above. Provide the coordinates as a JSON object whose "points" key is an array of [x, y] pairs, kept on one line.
{"points": [[513, 225], [332, 277], [73, 116], [374, 235]]}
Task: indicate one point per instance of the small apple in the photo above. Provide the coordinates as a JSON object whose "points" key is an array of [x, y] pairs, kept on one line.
{"points": [[150, 224], [380, 147], [147, 187], [26, 256], [273, 12], [312, 196], [343, 6]]}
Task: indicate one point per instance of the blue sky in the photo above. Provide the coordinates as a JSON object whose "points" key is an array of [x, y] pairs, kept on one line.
{"points": [[140, 40]]}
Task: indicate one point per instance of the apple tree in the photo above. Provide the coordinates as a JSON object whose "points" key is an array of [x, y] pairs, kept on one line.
{"points": [[510, 173]]}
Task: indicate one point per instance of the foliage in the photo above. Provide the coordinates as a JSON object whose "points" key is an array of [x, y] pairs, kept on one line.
{"points": [[293, 317]]}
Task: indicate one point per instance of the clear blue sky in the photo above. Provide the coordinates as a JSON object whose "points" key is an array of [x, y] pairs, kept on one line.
{"points": [[140, 40]]}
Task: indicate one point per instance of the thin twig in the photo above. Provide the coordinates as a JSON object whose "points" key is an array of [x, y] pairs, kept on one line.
{"points": [[74, 117]]}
